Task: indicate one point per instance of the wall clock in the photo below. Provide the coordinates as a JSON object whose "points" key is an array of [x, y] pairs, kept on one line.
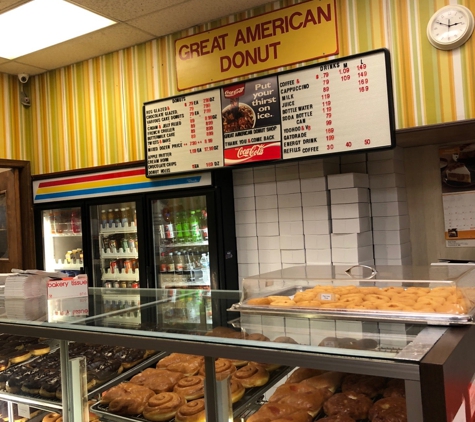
{"points": [[450, 27]]}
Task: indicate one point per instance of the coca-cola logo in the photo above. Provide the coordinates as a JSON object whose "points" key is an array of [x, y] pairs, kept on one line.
{"points": [[234, 91], [249, 152]]}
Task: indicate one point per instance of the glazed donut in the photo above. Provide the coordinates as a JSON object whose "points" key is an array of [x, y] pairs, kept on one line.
{"points": [[431, 300], [419, 307], [393, 306], [406, 298], [285, 339], [451, 308], [300, 395], [441, 292], [223, 368], [418, 290], [193, 411], [349, 403], [260, 301], [257, 337], [368, 385], [277, 298], [284, 303], [187, 368], [51, 417], [190, 388], [179, 358], [163, 406], [371, 304], [376, 298], [353, 299], [391, 291], [237, 390], [301, 374], [251, 375], [369, 290], [308, 295], [280, 412], [308, 304], [389, 409]]}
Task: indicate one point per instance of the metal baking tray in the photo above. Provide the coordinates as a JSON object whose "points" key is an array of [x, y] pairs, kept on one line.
{"points": [[355, 315], [251, 396]]}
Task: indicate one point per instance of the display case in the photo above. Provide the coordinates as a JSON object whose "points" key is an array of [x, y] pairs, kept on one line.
{"points": [[427, 358]]}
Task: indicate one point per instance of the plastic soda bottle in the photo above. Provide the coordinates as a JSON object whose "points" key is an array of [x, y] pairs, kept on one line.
{"points": [[195, 227]]}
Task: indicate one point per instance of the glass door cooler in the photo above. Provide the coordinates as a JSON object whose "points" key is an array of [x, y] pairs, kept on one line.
{"points": [[62, 238], [115, 245], [181, 242]]}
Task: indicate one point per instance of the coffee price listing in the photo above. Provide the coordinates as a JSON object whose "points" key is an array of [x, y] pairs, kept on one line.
{"points": [[337, 106], [184, 134]]}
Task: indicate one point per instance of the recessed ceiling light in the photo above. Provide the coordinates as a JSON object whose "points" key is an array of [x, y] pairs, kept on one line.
{"points": [[42, 23]]}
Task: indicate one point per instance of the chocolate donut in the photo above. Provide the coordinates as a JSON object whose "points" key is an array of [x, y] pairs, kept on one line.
{"points": [[389, 409], [349, 403], [368, 385]]}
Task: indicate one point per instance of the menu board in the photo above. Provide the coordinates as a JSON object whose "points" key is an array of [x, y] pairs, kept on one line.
{"points": [[183, 134], [338, 106]]}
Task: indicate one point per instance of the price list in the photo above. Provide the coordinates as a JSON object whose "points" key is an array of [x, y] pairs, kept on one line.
{"points": [[183, 134], [335, 107]]}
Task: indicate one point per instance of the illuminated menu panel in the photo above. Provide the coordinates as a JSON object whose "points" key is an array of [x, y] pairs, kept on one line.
{"points": [[337, 106], [183, 133]]}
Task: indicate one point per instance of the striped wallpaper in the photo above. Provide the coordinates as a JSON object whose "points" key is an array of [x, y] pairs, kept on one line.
{"points": [[89, 114]]}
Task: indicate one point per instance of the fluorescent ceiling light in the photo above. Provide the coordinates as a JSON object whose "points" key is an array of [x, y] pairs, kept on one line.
{"points": [[42, 23]]}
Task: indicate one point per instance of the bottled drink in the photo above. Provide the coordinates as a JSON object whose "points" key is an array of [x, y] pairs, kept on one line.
{"points": [[124, 219], [75, 222], [204, 225], [179, 227], [178, 263], [163, 263], [161, 229], [195, 227], [135, 217], [170, 263], [185, 225], [104, 220], [116, 217], [51, 222], [110, 217], [187, 266], [58, 221], [169, 228]]}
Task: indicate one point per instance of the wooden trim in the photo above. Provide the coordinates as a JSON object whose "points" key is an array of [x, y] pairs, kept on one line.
{"points": [[445, 133]]}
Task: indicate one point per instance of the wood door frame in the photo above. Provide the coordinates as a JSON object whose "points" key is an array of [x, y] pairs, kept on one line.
{"points": [[28, 252]]}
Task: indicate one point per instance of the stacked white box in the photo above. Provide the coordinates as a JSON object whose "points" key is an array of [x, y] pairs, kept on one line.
{"points": [[389, 208], [316, 218], [351, 223]]}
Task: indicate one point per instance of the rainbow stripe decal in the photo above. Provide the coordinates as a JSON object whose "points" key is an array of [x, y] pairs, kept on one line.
{"points": [[111, 183]]}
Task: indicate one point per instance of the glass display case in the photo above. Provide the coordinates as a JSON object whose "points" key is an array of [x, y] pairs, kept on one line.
{"points": [[426, 357]]}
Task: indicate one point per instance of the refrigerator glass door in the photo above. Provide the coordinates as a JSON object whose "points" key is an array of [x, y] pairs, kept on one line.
{"points": [[114, 245], [180, 236], [62, 240]]}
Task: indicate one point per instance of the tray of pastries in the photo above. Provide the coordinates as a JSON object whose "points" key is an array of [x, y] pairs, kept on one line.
{"points": [[437, 295], [40, 377], [174, 389], [313, 395]]}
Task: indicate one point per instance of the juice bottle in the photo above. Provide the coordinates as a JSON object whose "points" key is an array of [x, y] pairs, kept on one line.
{"points": [[110, 217], [179, 227], [124, 219], [116, 217], [104, 220]]}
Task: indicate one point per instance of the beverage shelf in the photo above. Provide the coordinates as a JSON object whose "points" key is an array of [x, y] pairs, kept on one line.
{"points": [[119, 229], [119, 253]]}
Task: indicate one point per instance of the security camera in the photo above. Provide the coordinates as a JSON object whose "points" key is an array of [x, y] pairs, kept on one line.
{"points": [[23, 78], [25, 99]]}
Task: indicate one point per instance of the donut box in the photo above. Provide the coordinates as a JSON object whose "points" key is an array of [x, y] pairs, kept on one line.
{"points": [[433, 295]]}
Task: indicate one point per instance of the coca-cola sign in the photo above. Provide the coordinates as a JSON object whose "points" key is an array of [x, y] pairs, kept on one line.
{"points": [[252, 153], [234, 91]]}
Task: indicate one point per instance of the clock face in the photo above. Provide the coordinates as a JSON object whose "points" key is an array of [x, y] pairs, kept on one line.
{"points": [[450, 27]]}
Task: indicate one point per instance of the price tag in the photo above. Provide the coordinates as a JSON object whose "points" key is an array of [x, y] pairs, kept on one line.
{"points": [[23, 410], [327, 297]]}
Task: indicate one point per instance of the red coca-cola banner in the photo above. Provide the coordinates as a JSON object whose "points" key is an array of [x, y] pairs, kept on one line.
{"points": [[252, 153], [234, 91]]}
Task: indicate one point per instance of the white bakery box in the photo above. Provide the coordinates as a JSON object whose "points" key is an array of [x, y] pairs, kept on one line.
{"points": [[433, 295]]}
